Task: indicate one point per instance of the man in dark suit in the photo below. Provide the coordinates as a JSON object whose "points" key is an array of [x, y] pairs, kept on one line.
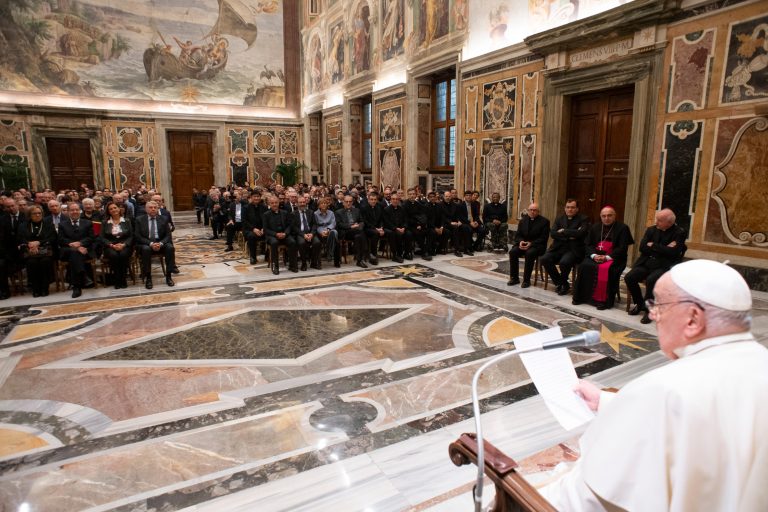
{"points": [[253, 223], [568, 245], [153, 236], [662, 247], [530, 242], [373, 217], [234, 219], [307, 243], [458, 224], [396, 227], [75, 242], [351, 227], [278, 229], [436, 225], [475, 224], [495, 221], [418, 224]]}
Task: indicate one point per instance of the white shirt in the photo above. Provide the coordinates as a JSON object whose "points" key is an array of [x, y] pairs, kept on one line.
{"points": [[689, 436]]}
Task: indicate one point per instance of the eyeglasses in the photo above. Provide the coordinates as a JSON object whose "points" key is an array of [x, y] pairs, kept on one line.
{"points": [[654, 306]]}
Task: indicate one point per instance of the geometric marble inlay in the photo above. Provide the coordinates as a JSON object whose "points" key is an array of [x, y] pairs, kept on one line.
{"points": [[274, 334], [503, 330], [14, 441], [37, 329]]}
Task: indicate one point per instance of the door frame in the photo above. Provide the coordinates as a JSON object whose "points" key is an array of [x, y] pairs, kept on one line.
{"points": [[643, 71], [41, 176], [219, 154]]}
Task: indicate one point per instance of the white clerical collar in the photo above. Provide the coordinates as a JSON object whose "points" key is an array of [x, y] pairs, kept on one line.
{"points": [[713, 342]]}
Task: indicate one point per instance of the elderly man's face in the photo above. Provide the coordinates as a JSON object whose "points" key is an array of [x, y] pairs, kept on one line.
{"points": [[302, 202], [395, 200], [607, 216], [533, 210], [274, 203], [11, 206], [671, 317], [152, 209], [88, 207], [73, 210], [663, 221], [54, 207]]}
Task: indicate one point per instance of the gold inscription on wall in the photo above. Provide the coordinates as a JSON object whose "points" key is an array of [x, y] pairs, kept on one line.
{"points": [[601, 53]]}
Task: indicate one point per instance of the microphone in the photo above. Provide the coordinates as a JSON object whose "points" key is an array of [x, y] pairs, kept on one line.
{"points": [[585, 339]]}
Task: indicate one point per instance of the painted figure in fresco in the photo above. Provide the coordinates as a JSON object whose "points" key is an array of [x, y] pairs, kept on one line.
{"points": [[390, 169], [362, 42], [316, 64], [336, 53], [498, 19], [749, 63], [434, 23], [461, 14], [393, 28]]}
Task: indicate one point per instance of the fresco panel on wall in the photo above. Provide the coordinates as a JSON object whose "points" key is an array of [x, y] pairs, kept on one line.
{"points": [[746, 62]]}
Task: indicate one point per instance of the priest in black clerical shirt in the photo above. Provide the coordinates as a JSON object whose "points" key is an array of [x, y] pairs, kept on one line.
{"points": [[530, 242], [568, 245], [278, 228]]}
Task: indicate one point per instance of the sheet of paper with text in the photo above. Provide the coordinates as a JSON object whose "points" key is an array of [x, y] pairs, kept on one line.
{"points": [[553, 375]]}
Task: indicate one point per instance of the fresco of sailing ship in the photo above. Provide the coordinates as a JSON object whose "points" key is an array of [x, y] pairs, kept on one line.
{"points": [[206, 60]]}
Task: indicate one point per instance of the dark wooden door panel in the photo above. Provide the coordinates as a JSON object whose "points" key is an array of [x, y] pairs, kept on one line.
{"points": [[191, 165], [70, 163], [601, 131]]}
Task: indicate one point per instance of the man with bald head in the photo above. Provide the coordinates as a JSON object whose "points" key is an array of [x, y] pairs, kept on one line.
{"points": [[530, 242], [689, 435], [662, 246]]}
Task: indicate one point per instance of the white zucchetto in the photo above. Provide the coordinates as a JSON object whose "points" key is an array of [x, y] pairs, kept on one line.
{"points": [[713, 283]]}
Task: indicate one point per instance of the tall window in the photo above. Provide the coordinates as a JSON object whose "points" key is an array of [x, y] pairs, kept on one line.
{"points": [[367, 145], [444, 124]]}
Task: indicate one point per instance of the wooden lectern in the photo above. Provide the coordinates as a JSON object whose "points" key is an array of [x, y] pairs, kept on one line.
{"points": [[513, 492]]}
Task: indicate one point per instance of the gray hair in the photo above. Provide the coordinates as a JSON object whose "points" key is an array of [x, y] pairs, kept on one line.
{"points": [[89, 201], [718, 318]]}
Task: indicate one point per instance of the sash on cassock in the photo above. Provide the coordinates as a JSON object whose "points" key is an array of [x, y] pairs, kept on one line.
{"points": [[600, 293]]}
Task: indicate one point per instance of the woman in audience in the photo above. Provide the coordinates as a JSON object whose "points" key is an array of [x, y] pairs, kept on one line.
{"points": [[37, 239], [325, 228], [117, 240]]}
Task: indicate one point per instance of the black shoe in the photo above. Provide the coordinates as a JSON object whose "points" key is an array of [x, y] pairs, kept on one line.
{"points": [[148, 283], [458, 254], [229, 249], [317, 266], [303, 266], [76, 292], [44, 293], [575, 302], [469, 253], [214, 237], [603, 306], [564, 289], [175, 270], [427, 257], [636, 310], [169, 281], [337, 264], [253, 261], [397, 260], [35, 294], [526, 284], [88, 283], [275, 270], [374, 260], [293, 269], [646, 319], [513, 282], [361, 264], [408, 256]]}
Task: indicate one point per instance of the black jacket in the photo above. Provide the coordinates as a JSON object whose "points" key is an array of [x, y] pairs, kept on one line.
{"points": [[535, 231], [660, 255], [574, 234]]}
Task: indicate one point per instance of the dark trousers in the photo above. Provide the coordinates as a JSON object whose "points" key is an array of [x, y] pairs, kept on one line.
{"points": [[480, 231], [635, 276], [146, 252], [357, 237], [231, 230], [530, 256], [498, 232], [76, 261], [461, 236], [564, 258], [399, 243], [39, 273], [118, 262], [290, 244], [252, 240], [309, 251], [4, 271], [373, 240]]}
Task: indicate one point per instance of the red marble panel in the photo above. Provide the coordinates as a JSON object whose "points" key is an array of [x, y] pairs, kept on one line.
{"points": [[690, 70]]}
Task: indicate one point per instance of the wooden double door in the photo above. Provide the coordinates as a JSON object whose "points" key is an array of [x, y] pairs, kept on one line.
{"points": [[598, 156], [70, 162], [191, 155]]}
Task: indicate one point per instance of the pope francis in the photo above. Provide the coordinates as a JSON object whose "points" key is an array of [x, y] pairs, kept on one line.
{"points": [[692, 435]]}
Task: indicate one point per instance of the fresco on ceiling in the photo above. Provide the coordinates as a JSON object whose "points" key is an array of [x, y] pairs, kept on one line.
{"points": [[193, 51], [494, 24], [360, 39], [392, 28]]}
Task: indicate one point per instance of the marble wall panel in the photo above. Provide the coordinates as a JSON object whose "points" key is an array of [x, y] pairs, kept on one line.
{"points": [[289, 142], [355, 134], [737, 213], [526, 180], [689, 72], [133, 175], [499, 104], [390, 124], [264, 142], [130, 158], [263, 171], [497, 164], [13, 135], [253, 152], [530, 99], [745, 76], [679, 169], [333, 135], [15, 154], [470, 159], [238, 140], [470, 109], [424, 132], [334, 168]]}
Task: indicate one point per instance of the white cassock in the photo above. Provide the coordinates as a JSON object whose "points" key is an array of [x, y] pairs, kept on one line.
{"points": [[690, 436]]}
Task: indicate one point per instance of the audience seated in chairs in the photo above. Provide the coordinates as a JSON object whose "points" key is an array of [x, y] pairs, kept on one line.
{"points": [[457, 222], [117, 240], [76, 241], [278, 229], [662, 246], [37, 240], [606, 258], [373, 218], [399, 236], [567, 249], [326, 232], [418, 224], [307, 243], [530, 243], [153, 236], [351, 228]]}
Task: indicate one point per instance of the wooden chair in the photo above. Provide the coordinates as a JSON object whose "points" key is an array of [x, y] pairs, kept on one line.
{"points": [[281, 251], [105, 269], [61, 273], [513, 492]]}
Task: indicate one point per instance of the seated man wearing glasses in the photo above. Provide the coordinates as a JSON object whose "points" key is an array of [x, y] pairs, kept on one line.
{"points": [[689, 435]]}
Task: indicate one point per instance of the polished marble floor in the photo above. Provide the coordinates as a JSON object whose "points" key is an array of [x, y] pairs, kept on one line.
{"points": [[324, 390]]}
